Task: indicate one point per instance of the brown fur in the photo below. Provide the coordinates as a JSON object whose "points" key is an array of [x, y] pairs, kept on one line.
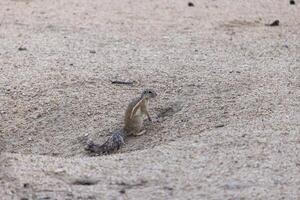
{"points": [[133, 125]]}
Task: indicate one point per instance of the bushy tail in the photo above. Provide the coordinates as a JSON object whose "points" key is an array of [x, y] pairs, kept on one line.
{"points": [[112, 144]]}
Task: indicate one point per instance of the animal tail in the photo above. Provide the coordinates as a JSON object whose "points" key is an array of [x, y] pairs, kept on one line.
{"points": [[112, 144]]}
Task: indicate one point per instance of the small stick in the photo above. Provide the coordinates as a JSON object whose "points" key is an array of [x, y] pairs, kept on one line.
{"points": [[219, 125], [123, 82]]}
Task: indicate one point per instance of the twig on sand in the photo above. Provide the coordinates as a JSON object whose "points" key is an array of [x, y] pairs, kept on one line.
{"points": [[123, 82]]}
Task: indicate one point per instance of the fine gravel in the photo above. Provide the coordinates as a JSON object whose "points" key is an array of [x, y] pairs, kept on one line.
{"points": [[226, 121]]}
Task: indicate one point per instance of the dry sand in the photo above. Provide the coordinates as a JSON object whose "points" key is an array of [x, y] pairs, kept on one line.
{"points": [[230, 84]]}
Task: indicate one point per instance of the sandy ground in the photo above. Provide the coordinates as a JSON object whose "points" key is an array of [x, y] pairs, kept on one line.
{"points": [[229, 83]]}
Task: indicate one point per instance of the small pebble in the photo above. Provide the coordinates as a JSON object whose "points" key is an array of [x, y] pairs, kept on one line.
{"points": [[219, 125], [123, 191], [232, 185], [292, 2], [191, 4], [275, 23], [168, 188], [22, 48]]}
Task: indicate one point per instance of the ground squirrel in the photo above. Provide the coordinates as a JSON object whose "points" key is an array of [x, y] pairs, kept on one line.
{"points": [[133, 120]]}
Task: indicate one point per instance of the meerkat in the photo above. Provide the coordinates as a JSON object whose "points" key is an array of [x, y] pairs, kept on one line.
{"points": [[133, 124]]}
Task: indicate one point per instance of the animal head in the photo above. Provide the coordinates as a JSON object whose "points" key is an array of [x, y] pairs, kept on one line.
{"points": [[148, 93]]}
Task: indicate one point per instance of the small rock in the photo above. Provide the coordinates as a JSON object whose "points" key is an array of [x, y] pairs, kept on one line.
{"points": [[25, 185], [85, 181], [22, 49], [54, 153], [191, 4], [219, 125], [232, 185], [92, 51], [275, 23], [37, 116], [59, 171], [168, 188], [292, 2], [122, 191]]}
